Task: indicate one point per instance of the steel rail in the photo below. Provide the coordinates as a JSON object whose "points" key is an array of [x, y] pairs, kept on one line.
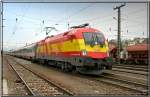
{"points": [[101, 78], [120, 75], [131, 68], [27, 87], [125, 81], [109, 82], [45, 78], [136, 66], [121, 86], [146, 74]]}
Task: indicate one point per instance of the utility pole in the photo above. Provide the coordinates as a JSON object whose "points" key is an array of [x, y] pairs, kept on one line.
{"points": [[119, 33], [1, 27]]}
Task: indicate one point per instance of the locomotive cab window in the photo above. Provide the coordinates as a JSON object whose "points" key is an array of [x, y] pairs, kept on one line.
{"points": [[93, 38]]}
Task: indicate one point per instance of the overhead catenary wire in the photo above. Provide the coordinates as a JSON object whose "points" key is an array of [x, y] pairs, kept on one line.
{"points": [[43, 23], [133, 21], [104, 20], [17, 22], [134, 25], [72, 15], [133, 12], [108, 15], [83, 20], [35, 19]]}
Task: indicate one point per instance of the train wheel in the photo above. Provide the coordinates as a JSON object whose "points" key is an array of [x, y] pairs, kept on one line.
{"points": [[62, 67], [45, 62], [74, 70], [109, 67]]}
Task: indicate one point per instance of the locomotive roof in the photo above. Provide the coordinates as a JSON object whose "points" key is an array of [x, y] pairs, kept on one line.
{"points": [[70, 32]]}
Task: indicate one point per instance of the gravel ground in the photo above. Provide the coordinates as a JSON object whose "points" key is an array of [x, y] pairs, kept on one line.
{"points": [[78, 85], [14, 86]]}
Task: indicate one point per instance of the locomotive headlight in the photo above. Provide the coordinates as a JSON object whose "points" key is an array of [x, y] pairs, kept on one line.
{"points": [[84, 52]]}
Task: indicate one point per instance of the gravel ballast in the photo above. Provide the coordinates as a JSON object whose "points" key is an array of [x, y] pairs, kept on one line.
{"points": [[78, 85]]}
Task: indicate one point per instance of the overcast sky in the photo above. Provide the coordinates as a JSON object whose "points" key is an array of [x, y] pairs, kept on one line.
{"points": [[24, 21]]}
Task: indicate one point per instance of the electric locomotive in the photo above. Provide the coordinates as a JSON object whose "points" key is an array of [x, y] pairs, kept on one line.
{"points": [[82, 49]]}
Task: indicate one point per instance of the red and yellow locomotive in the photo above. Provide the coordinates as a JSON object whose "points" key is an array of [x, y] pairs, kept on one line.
{"points": [[82, 49]]}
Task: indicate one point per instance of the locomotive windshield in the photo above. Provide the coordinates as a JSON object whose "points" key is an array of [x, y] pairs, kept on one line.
{"points": [[94, 38]]}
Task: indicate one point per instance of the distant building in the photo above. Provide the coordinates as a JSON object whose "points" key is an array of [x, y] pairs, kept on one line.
{"points": [[138, 52]]}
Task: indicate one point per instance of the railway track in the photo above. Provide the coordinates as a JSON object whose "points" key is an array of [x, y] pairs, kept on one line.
{"points": [[138, 88], [130, 71], [132, 68], [124, 83], [120, 82], [20, 88], [141, 80], [37, 84]]}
